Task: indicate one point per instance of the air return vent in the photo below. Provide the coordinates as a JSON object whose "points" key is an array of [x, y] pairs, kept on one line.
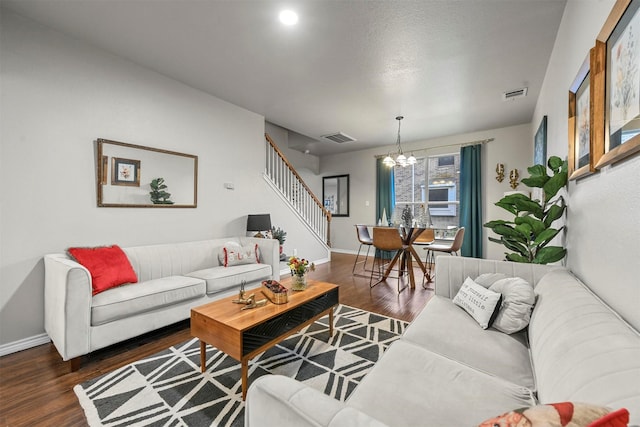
{"points": [[514, 94], [338, 137]]}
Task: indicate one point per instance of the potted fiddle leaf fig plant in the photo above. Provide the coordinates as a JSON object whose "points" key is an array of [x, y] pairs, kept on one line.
{"points": [[530, 232], [158, 194]]}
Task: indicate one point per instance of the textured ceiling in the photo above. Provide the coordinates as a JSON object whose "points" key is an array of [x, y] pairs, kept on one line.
{"points": [[349, 66]]}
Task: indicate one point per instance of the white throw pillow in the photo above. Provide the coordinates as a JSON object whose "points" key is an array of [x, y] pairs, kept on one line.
{"points": [[480, 302], [233, 253], [518, 299]]}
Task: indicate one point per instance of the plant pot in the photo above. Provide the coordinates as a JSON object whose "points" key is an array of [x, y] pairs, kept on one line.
{"points": [[299, 282]]}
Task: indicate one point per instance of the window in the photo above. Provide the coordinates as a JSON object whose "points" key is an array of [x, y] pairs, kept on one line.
{"points": [[434, 180]]}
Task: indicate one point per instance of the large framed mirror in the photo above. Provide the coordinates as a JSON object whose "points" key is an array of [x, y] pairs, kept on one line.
{"points": [[137, 176], [335, 194]]}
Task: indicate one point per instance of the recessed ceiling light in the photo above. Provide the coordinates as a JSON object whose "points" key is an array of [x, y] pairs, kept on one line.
{"points": [[288, 17]]}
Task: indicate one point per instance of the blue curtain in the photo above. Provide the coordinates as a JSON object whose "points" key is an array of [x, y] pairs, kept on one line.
{"points": [[385, 196], [471, 200], [385, 190]]}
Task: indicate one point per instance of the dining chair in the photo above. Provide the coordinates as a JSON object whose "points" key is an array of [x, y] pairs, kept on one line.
{"points": [[451, 249], [425, 238], [387, 239], [362, 231]]}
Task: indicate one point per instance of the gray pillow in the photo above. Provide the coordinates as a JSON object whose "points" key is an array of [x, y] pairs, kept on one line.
{"points": [[518, 299]]}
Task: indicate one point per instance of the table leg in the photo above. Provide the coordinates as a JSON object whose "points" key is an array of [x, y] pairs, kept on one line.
{"points": [[245, 371], [412, 279], [203, 356], [331, 322], [423, 267]]}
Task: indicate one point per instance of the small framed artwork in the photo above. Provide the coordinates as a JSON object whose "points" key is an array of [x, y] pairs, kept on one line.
{"points": [[125, 172], [580, 140], [540, 144], [616, 80]]}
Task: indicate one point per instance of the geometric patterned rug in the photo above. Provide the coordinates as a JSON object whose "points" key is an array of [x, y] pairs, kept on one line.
{"points": [[168, 389]]}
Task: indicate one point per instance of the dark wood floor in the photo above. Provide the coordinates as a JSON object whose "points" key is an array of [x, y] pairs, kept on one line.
{"points": [[36, 386]]}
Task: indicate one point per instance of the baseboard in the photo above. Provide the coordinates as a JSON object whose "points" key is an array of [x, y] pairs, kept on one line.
{"points": [[24, 344], [346, 251], [286, 271]]}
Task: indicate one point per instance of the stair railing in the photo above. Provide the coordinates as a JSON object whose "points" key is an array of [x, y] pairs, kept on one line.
{"points": [[293, 188]]}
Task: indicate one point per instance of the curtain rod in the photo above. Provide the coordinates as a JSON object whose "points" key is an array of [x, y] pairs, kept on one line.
{"points": [[459, 144]]}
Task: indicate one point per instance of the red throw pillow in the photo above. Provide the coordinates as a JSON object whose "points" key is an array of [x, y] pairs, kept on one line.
{"points": [[108, 265]]}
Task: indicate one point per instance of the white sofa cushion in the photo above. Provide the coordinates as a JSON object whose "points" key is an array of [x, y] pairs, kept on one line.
{"points": [[129, 300], [581, 350], [445, 329], [222, 278], [411, 386]]}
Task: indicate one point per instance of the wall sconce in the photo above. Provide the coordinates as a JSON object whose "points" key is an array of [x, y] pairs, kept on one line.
{"points": [[513, 178], [500, 172]]}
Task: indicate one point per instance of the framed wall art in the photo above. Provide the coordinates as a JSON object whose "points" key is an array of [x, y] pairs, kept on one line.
{"points": [[580, 129], [540, 144], [616, 81], [125, 172]]}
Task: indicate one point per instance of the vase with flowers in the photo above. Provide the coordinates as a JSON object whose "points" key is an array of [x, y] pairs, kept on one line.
{"points": [[299, 268]]}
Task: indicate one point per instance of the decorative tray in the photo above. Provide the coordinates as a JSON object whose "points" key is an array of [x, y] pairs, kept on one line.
{"points": [[275, 292]]}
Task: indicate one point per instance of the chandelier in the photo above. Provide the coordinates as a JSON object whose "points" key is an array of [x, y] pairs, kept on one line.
{"points": [[401, 159]]}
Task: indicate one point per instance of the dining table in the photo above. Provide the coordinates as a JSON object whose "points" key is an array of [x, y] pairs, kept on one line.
{"points": [[408, 255]]}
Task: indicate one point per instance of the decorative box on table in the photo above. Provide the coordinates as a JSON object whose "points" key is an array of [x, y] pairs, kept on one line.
{"points": [[275, 292]]}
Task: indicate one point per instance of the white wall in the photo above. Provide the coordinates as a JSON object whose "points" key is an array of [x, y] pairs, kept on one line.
{"points": [[603, 223], [511, 146], [59, 95]]}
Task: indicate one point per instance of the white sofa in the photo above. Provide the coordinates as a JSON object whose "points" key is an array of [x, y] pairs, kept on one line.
{"points": [[172, 278], [447, 371]]}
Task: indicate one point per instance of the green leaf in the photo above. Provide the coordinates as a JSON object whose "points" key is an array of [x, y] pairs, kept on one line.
{"points": [[554, 185], [517, 258], [555, 212], [546, 236], [537, 170], [493, 239], [555, 163], [524, 229], [515, 246], [549, 254], [536, 225], [537, 181], [528, 205], [492, 224], [508, 206], [508, 231], [538, 176]]}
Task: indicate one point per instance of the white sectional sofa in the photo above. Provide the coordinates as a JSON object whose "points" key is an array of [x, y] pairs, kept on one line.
{"points": [[172, 278], [447, 371]]}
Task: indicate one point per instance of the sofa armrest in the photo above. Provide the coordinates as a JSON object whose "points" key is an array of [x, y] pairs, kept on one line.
{"points": [[277, 400], [451, 271], [67, 305], [269, 251]]}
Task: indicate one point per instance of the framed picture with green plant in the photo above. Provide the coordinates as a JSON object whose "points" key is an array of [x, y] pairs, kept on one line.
{"points": [[528, 235]]}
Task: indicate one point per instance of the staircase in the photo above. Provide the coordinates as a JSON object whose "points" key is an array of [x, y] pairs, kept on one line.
{"points": [[284, 179]]}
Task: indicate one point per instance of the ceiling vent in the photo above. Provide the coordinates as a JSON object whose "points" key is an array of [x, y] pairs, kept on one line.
{"points": [[338, 137], [514, 94]]}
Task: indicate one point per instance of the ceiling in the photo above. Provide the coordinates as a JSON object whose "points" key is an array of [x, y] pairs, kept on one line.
{"points": [[347, 66]]}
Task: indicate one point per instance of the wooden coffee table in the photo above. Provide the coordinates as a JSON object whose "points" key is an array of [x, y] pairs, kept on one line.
{"points": [[243, 334]]}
